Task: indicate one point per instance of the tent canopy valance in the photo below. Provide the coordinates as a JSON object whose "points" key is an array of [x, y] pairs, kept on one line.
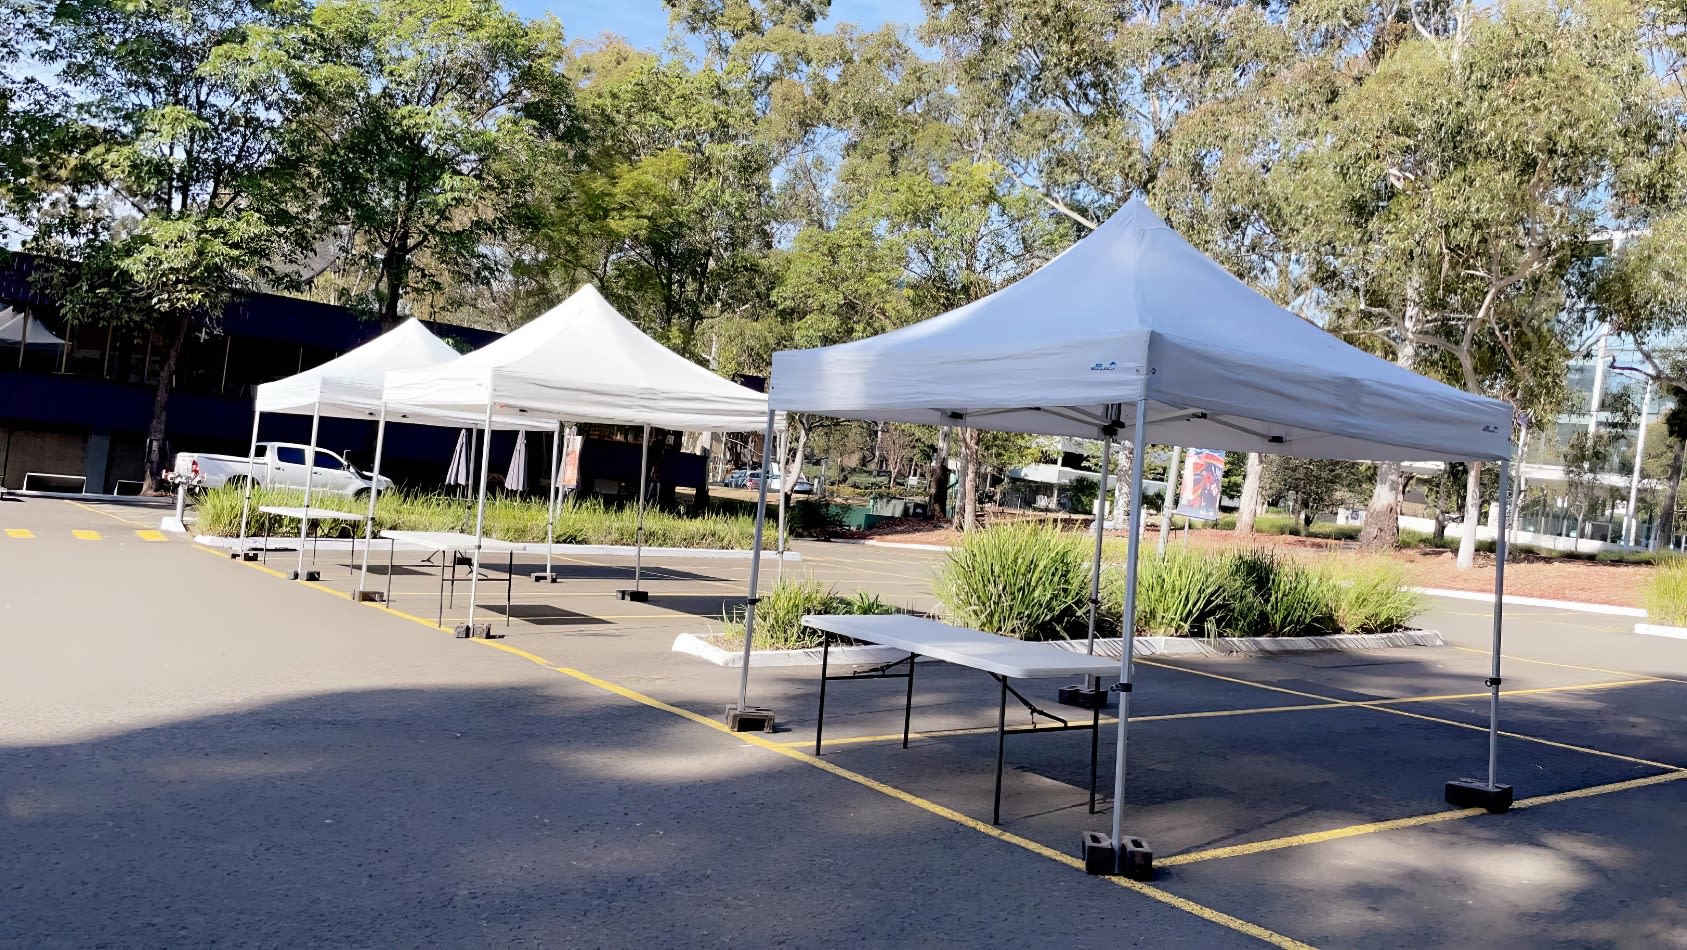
{"points": [[581, 361], [1134, 312]]}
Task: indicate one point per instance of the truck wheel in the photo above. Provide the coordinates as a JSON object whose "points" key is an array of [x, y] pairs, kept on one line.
{"points": [[236, 482], [361, 496]]}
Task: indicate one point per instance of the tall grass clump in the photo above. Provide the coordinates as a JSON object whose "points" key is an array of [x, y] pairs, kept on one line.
{"points": [[508, 518], [1023, 580], [1666, 594], [779, 614], [1372, 596], [1177, 593]]}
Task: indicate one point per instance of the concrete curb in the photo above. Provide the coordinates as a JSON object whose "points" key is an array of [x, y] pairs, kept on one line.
{"points": [[1520, 601], [693, 645], [601, 550], [1660, 630]]}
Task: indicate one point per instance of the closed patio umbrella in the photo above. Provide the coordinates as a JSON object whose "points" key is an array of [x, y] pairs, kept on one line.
{"points": [[516, 480]]}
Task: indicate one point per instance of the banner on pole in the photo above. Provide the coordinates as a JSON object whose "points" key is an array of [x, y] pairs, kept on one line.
{"points": [[1203, 483], [571, 462]]}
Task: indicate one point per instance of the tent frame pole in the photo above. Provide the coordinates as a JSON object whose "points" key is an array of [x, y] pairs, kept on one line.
{"points": [[467, 629], [742, 717], [1133, 550], [556, 493], [374, 489], [784, 490], [251, 473], [637, 593], [1490, 794], [310, 480]]}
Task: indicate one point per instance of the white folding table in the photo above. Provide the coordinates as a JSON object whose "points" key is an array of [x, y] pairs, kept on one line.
{"points": [[451, 544], [1003, 658], [309, 516]]}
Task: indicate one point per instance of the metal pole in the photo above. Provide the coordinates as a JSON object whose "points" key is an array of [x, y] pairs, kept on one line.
{"points": [[784, 490], [550, 513], [1100, 529], [374, 489], [479, 516], [310, 479], [1500, 547], [1132, 551], [638, 532], [251, 473], [1168, 499], [755, 567], [1631, 527], [1598, 385]]}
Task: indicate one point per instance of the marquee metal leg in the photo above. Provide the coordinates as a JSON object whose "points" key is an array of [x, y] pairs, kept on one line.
{"points": [[908, 707]]}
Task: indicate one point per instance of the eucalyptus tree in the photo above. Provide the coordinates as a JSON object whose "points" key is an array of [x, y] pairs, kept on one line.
{"points": [[147, 167], [1453, 189]]}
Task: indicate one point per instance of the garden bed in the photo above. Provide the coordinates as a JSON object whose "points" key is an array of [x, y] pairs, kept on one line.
{"points": [[518, 520]]}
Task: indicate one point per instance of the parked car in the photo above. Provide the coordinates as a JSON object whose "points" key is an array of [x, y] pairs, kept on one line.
{"points": [[736, 478], [277, 465], [803, 485]]}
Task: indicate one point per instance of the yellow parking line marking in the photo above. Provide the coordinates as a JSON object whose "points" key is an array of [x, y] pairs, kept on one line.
{"points": [[1146, 890], [151, 534], [1411, 715], [1219, 713], [83, 534], [1568, 666], [102, 511], [21, 533], [1335, 834]]}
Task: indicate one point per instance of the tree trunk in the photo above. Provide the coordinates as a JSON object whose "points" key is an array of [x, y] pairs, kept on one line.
{"points": [[969, 480], [1472, 515], [938, 501], [1251, 502], [1440, 525], [393, 273], [1382, 518], [160, 406], [1664, 537], [1169, 500], [790, 469]]}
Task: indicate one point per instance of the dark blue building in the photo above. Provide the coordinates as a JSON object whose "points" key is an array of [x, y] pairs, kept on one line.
{"points": [[84, 408]]}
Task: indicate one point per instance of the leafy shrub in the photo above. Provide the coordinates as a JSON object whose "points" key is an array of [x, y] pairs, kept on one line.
{"points": [[1666, 594], [1021, 580], [780, 611]]}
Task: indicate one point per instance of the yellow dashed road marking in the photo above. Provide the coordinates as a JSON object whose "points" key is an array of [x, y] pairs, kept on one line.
{"points": [[83, 534], [19, 533], [151, 534]]}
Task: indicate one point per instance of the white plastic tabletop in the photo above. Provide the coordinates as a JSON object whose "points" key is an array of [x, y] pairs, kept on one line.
{"points": [[449, 541], [992, 653], [311, 514]]}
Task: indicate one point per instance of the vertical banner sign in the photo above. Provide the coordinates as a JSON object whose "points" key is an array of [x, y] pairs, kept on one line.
{"points": [[571, 463], [1203, 482]]}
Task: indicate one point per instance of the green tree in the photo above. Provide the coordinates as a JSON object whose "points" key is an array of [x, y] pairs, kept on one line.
{"points": [[1456, 184], [1310, 487], [156, 190], [430, 125]]}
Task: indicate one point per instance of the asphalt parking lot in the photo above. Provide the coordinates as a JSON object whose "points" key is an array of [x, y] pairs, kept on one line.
{"points": [[194, 750]]}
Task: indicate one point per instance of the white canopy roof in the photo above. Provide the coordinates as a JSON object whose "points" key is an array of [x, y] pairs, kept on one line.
{"points": [[581, 361], [18, 328], [349, 386], [1133, 311]]}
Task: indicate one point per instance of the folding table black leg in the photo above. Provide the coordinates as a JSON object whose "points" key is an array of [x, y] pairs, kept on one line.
{"points": [[908, 708], [442, 593], [392, 547], [1095, 743], [1001, 749], [509, 589], [825, 661]]}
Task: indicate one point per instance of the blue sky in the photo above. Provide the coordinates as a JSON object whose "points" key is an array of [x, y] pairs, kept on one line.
{"points": [[645, 22]]}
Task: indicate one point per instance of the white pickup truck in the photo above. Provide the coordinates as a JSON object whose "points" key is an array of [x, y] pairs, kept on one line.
{"points": [[277, 465]]}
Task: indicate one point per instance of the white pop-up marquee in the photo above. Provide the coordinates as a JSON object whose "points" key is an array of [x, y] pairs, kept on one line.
{"points": [[581, 362], [349, 387], [1133, 333]]}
